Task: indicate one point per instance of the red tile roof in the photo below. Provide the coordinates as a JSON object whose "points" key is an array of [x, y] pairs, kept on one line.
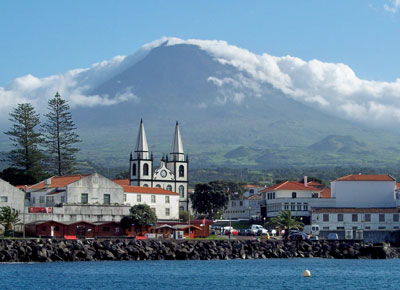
{"points": [[252, 186], [366, 177], [58, 181], [326, 193], [290, 185], [141, 189], [356, 210]]}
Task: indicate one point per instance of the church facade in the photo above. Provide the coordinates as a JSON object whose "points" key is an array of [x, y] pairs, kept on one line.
{"points": [[172, 174]]}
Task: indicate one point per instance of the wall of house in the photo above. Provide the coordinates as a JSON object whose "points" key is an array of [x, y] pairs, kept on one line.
{"points": [[160, 206], [361, 224], [298, 206], [96, 186], [364, 193], [15, 197], [87, 212], [242, 209]]}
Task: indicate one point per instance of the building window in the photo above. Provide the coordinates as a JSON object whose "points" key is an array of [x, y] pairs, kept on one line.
{"points": [[340, 228], [139, 198], [145, 185], [293, 206], [325, 228], [395, 217], [381, 228], [381, 217], [84, 198], [325, 217], [305, 206], [159, 186], [106, 229], [233, 203], [33, 199], [355, 228], [50, 200], [273, 195], [62, 198], [167, 211], [340, 217], [251, 191], [367, 217], [107, 199], [153, 198], [41, 199], [3, 198], [181, 208], [145, 169], [286, 206], [299, 206], [134, 169], [294, 194], [124, 197], [182, 191], [166, 199], [241, 203], [181, 171], [169, 187], [354, 217]]}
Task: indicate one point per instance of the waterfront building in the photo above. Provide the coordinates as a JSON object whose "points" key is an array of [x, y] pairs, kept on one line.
{"points": [[163, 202], [11, 196], [298, 197], [172, 175], [243, 209]]}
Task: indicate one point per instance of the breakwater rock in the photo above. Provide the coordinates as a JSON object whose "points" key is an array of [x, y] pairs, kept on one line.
{"points": [[51, 250]]}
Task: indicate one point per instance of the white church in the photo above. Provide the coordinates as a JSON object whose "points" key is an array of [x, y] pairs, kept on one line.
{"points": [[172, 174]]}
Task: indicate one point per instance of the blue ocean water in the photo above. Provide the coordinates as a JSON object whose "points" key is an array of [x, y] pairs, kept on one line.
{"points": [[236, 274]]}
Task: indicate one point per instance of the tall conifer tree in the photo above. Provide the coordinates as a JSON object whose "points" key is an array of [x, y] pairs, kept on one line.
{"points": [[26, 139], [60, 137]]}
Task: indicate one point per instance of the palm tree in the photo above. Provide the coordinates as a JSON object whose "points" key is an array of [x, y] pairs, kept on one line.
{"points": [[8, 217], [285, 221]]}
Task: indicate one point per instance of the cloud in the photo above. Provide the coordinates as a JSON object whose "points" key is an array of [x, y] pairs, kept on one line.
{"points": [[330, 87], [393, 7]]}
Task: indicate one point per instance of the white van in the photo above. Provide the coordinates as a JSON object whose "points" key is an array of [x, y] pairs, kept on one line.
{"points": [[312, 230]]}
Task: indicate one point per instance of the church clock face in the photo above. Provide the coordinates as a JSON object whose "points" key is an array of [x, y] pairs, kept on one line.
{"points": [[163, 173]]}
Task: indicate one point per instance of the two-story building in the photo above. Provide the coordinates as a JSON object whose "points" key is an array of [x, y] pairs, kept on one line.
{"points": [[163, 202], [298, 197]]}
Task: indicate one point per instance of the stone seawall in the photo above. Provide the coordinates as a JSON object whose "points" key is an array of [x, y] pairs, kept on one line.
{"points": [[48, 250]]}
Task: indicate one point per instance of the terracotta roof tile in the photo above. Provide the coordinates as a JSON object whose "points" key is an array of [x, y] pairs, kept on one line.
{"points": [[58, 181], [147, 190], [254, 197], [326, 193], [121, 181], [290, 185], [366, 177]]}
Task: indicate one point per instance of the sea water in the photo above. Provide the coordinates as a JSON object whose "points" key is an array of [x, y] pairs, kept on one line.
{"points": [[235, 274]]}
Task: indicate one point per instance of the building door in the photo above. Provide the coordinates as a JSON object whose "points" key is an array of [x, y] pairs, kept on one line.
{"points": [[81, 231]]}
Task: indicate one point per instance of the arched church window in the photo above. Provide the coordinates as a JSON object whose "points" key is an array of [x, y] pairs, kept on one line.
{"points": [[169, 187], [145, 169], [181, 171], [158, 185], [145, 185], [182, 191], [134, 169]]}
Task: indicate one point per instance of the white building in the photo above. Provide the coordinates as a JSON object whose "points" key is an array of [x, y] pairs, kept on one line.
{"points": [[252, 190], [172, 174], [245, 209], [299, 198], [364, 191], [11, 196], [373, 219], [75, 189], [164, 203]]}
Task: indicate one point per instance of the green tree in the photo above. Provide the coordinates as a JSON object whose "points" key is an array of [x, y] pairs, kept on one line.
{"points": [[26, 154], [285, 221], [60, 137], [8, 217], [17, 176], [209, 199], [141, 215], [184, 215]]}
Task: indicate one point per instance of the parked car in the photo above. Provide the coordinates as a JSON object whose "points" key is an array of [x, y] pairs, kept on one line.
{"points": [[256, 228], [298, 236], [333, 236]]}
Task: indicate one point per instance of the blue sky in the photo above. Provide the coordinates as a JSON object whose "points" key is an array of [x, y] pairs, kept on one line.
{"points": [[43, 38]]}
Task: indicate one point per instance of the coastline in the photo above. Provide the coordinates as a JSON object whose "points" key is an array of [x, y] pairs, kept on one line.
{"points": [[51, 250]]}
